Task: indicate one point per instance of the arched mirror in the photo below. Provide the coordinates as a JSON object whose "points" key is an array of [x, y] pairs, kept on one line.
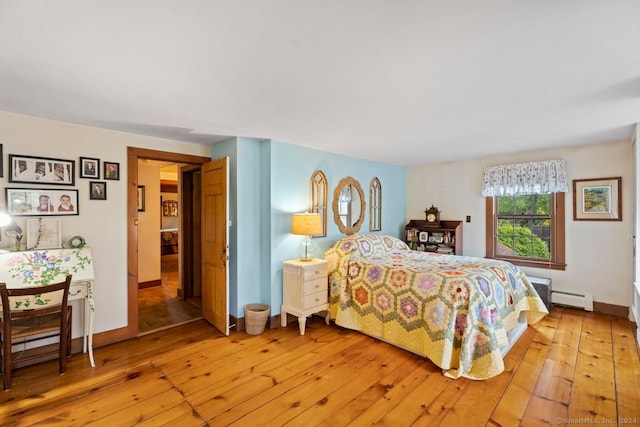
{"points": [[375, 205], [318, 195], [348, 205]]}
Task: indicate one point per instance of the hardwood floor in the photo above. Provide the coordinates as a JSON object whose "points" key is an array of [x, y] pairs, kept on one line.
{"points": [[159, 307], [573, 367]]}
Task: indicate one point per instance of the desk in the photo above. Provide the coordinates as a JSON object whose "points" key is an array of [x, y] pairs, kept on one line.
{"points": [[33, 268]]}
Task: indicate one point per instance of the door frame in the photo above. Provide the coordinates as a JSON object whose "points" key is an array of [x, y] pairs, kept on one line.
{"points": [[133, 155]]}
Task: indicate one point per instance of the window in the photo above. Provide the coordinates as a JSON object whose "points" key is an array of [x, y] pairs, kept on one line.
{"points": [[527, 230]]}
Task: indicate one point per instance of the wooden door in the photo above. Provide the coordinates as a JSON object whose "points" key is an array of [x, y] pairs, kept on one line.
{"points": [[215, 246]]}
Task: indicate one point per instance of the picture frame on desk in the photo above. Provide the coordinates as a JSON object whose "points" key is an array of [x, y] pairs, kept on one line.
{"points": [[43, 233], [412, 235], [41, 202], [424, 236]]}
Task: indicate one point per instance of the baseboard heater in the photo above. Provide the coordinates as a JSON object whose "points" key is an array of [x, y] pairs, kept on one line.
{"points": [[572, 299]]}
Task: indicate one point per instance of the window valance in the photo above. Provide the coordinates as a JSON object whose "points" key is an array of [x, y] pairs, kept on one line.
{"points": [[525, 178]]}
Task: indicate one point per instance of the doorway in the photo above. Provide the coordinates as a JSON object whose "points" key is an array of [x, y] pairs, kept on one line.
{"points": [[161, 300], [133, 235]]}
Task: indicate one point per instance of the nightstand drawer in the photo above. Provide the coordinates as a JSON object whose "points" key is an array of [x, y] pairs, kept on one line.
{"points": [[315, 272], [314, 300], [317, 285]]}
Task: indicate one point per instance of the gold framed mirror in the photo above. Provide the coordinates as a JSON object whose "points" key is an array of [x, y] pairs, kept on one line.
{"points": [[348, 205]]}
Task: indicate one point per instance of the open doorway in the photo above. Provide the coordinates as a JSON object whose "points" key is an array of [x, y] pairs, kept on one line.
{"points": [[162, 300], [134, 236]]}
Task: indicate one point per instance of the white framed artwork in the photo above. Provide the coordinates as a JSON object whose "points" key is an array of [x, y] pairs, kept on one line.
{"points": [[43, 233]]}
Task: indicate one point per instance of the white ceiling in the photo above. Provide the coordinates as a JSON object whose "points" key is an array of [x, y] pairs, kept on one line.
{"points": [[402, 81]]}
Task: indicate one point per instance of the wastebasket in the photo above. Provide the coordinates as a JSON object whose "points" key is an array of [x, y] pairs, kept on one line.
{"points": [[255, 318]]}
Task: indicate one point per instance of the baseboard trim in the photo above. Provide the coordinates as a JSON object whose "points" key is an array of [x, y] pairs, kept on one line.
{"points": [[150, 284], [611, 309]]}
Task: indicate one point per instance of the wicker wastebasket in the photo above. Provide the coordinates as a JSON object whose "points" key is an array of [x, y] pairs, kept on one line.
{"points": [[255, 318]]}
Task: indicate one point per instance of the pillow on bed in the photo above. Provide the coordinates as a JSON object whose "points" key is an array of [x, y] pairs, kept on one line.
{"points": [[368, 245]]}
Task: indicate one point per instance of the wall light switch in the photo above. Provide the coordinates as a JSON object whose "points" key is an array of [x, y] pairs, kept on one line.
{"points": [[468, 218]]}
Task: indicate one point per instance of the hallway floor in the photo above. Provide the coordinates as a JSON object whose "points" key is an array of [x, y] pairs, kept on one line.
{"points": [[159, 307]]}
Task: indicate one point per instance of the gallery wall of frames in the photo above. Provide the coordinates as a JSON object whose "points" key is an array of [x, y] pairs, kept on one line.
{"points": [[42, 187]]}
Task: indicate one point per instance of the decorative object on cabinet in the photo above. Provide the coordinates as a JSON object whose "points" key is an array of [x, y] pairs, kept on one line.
{"points": [[76, 242], [375, 205], [41, 202], [97, 190], [43, 234], [445, 238], [41, 170], [89, 168], [304, 290], [14, 231], [348, 205], [141, 198], [169, 208], [598, 199], [307, 224], [111, 170], [432, 216], [318, 195]]}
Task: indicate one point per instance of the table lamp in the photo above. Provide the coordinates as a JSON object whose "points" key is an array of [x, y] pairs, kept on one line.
{"points": [[307, 224]]}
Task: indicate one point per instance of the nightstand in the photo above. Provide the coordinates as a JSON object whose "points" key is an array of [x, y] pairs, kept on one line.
{"points": [[305, 287]]}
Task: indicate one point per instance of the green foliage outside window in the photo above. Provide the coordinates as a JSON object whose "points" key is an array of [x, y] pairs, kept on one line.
{"points": [[523, 242], [517, 214]]}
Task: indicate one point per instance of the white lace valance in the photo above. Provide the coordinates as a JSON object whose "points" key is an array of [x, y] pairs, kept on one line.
{"points": [[525, 178]]}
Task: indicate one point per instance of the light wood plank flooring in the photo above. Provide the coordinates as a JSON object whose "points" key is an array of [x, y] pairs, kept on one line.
{"points": [[571, 368]]}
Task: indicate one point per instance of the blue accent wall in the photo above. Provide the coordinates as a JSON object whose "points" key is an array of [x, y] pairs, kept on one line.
{"points": [[270, 181]]}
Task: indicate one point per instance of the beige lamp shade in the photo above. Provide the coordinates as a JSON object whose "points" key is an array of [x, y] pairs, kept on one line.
{"points": [[308, 224]]}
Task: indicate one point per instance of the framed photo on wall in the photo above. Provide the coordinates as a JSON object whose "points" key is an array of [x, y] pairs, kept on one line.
{"points": [[41, 170], [111, 171], [41, 202], [97, 190], [598, 199], [89, 168]]}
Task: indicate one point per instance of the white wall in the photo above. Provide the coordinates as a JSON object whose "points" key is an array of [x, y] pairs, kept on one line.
{"points": [[599, 254], [102, 223], [149, 224]]}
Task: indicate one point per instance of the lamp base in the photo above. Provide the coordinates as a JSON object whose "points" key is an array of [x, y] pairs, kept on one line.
{"points": [[307, 249]]}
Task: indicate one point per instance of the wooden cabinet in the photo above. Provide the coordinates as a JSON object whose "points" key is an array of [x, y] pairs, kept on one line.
{"points": [[444, 238], [305, 290]]}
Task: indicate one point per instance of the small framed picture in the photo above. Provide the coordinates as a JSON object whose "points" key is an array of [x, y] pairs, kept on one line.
{"points": [[43, 233], [597, 199], [111, 171], [41, 202], [41, 170], [97, 190], [140, 198], [424, 236], [89, 168]]}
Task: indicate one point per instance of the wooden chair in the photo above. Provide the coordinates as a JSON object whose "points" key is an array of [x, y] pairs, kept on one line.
{"points": [[26, 318]]}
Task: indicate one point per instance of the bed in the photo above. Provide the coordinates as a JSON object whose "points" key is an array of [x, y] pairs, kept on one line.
{"points": [[457, 311]]}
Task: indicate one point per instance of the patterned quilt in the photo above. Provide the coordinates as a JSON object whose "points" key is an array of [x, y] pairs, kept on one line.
{"points": [[455, 310]]}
